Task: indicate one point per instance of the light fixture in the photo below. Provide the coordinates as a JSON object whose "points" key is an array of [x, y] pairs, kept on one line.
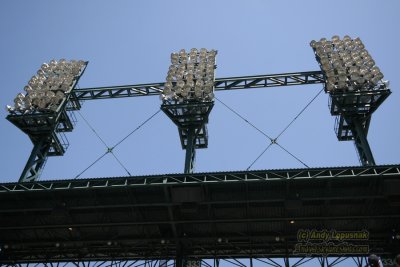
{"points": [[346, 64], [191, 76], [45, 90]]}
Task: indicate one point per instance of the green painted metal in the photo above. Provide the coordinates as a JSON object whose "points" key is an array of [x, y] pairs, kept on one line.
{"points": [[220, 84], [46, 131]]}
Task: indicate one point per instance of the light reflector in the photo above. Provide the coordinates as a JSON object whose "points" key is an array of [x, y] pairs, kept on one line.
{"points": [[191, 76], [45, 91], [346, 64]]}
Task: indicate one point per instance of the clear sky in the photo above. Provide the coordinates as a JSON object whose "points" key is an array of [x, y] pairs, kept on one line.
{"points": [[129, 42]]}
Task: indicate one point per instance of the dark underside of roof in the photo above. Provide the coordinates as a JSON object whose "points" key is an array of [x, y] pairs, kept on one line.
{"points": [[202, 215]]}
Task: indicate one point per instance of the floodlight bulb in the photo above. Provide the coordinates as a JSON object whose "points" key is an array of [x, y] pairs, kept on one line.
{"points": [[50, 94], [28, 89], [168, 85], [199, 83], [185, 93], [341, 84], [167, 91], [342, 78], [59, 94], [42, 104], [20, 96], [346, 38], [207, 89], [354, 77], [190, 66], [375, 70], [368, 76], [370, 63], [361, 80], [212, 52], [10, 108], [375, 80], [190, 76], [379, 76], [180, 84], [179, 74], [190, 83], [174, 58]]}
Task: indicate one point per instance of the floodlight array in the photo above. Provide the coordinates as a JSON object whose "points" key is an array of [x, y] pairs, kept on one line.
{"points": [[46, 90], [346, 64], [191, 76]]}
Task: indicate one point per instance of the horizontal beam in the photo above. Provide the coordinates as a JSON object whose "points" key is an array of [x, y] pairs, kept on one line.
{"points": [[195, 178], [203, 221], [258, 81]]}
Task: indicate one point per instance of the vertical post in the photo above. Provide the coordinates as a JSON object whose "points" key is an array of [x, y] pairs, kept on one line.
{"points": [[362, 145], [190, 150], [179, 260], [36, 161]]}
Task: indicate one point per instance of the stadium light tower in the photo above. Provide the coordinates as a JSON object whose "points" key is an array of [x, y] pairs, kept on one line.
{"points": [[355, 87], [188, 98], [43, 113]]}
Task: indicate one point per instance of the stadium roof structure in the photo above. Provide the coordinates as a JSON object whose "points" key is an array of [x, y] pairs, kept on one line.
{"points": [[203, 215]]}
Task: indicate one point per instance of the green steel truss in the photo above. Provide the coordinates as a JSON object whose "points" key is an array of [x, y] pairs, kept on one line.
{"points": [[221, 84]]}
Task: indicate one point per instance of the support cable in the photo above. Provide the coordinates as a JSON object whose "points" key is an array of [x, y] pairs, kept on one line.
{"points": [[293, 156], [273, 140], [259, 156], [137, 128], [110, 149], [91, 128], [94, 162], [243, 118], [284, 130], [298, 115]]}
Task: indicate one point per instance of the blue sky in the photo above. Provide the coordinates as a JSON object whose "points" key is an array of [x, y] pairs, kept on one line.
{"points": [[129, 42]]}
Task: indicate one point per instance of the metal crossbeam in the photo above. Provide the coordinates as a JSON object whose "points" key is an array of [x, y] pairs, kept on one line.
{"points": [[259, 81], [195, 178], [213, 262]]}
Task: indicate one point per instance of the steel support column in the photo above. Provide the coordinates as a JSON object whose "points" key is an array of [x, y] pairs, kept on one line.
{"points": [[191, 118], [361, 143], [36, 161], [190, 151]]}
